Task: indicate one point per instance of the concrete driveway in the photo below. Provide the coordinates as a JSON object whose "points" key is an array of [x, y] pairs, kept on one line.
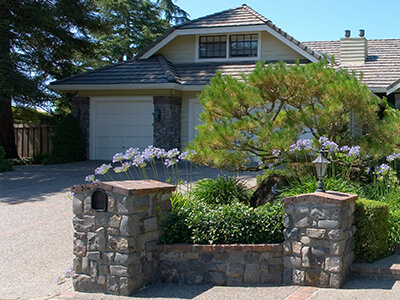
{"points": [[36, 233], [36, 238]]}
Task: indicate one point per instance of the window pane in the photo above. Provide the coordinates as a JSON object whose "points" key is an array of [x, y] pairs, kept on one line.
{"points": [[212, 46], [243, 45]]}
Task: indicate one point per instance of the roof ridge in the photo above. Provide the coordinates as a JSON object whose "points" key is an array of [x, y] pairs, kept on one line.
{"points": [[277, 29], [207, 16], [168, 69]]}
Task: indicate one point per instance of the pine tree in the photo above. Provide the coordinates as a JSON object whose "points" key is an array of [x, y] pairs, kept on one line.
{"points": [[270, 108]]}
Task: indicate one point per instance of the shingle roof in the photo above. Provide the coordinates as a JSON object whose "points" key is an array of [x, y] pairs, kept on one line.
{"points": [[239, 16], [382, 66], [153, 70]]}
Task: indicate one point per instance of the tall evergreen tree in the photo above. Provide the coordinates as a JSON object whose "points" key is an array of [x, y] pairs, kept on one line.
{"points": [[39, 40], [134, 24]]}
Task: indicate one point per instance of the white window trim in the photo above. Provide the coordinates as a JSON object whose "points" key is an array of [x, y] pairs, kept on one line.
{"points": [[227, 58]]}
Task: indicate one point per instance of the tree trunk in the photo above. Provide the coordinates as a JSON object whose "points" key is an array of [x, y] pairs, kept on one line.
{"points": [[7, 135]]}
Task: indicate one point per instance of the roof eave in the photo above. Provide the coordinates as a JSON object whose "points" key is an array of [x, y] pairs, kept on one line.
{"points": [[193, 31], [393, 87], [152, 86]]}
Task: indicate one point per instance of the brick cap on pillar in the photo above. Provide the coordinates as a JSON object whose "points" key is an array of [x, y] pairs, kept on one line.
{"points": [[329, 197], [128, 187]]}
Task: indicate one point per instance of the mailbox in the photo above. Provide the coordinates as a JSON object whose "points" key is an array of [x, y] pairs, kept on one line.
{"points": [[99, 200]]}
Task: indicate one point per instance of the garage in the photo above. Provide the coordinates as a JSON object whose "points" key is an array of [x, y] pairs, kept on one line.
{"points": [[118, 123]]}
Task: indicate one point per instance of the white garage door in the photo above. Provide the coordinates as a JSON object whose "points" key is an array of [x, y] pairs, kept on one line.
{"points": [[119, 125]]}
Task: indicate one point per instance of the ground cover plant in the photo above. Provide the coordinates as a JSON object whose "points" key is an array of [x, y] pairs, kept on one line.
{"points": [[201, 218], [373, 179]]}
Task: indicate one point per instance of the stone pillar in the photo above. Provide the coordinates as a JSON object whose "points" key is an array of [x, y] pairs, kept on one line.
{"points": [[167, 122], [81, 111], [319, 238], [115, 246]]}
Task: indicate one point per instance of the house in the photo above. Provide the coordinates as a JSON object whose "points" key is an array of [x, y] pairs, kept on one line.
{"points": [[151, 100]]}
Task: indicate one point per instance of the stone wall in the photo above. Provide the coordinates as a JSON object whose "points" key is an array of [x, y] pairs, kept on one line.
{"points": [[231, 265], [319, 238], [115, 248], [167, 122], [118, 228], [81, 111]]}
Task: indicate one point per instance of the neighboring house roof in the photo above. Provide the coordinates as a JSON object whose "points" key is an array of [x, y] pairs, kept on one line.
{"points": [[381, 70]]}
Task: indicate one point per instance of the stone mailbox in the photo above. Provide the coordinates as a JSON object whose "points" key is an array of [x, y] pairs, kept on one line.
{"points": [[319, 238], [117, 229]]}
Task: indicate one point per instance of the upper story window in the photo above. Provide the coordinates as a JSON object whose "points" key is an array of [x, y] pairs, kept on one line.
{"points": [[243, 45], [228, 46], [212, 46]]}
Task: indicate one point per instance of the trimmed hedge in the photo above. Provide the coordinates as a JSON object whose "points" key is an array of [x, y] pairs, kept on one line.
{"points": [[373, 230], [5, 164], [197, 222], [69, 145]]}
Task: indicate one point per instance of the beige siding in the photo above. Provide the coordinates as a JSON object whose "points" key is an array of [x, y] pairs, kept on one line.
{"points": [[185, 122], [273, 49], [180, 50]]}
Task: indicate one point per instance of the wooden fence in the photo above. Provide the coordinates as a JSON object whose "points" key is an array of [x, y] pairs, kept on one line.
{"points": [[33, 139]]}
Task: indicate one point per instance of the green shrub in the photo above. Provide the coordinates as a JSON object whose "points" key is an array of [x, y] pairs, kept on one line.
{"points": [[373, 230], [271, 172], [309, 185], [394, 220], [221, 190], [68, 142], [5, 164], [194, 221]]}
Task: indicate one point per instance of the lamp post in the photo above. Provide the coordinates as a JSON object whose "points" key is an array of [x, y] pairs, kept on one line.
{"points": [[321, 164]]}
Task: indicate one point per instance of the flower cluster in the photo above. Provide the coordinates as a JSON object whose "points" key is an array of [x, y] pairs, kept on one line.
{"points": [[68, 273], [392, 157], [103, 169], [381, 171], [301, 144], [276, 152], [353, 151], [133, 157], [90, 178], [327, 144]]}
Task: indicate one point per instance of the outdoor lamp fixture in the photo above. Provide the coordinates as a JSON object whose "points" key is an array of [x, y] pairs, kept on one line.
{"points": [[321, 164]]}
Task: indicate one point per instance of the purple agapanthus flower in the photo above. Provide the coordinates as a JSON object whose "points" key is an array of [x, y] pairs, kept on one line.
{"points": [[103, 169], [354, 151], [301, 144], [131, 152], [276, 152]]}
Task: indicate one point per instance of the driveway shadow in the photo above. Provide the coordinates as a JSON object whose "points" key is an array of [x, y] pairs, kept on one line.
{"points": [[35, 183]]}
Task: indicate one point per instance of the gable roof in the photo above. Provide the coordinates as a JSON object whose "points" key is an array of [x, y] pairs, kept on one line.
{"points": [[236, 17], [381, 71]]}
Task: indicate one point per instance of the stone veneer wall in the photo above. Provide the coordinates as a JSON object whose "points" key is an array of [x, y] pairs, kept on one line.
{"points": [[319, 238], [167, 122], [81, 111], [116, 249], [231, 265]]}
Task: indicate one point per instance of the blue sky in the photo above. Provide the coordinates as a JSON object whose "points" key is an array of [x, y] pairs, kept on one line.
{"points": [[315, 20]]}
